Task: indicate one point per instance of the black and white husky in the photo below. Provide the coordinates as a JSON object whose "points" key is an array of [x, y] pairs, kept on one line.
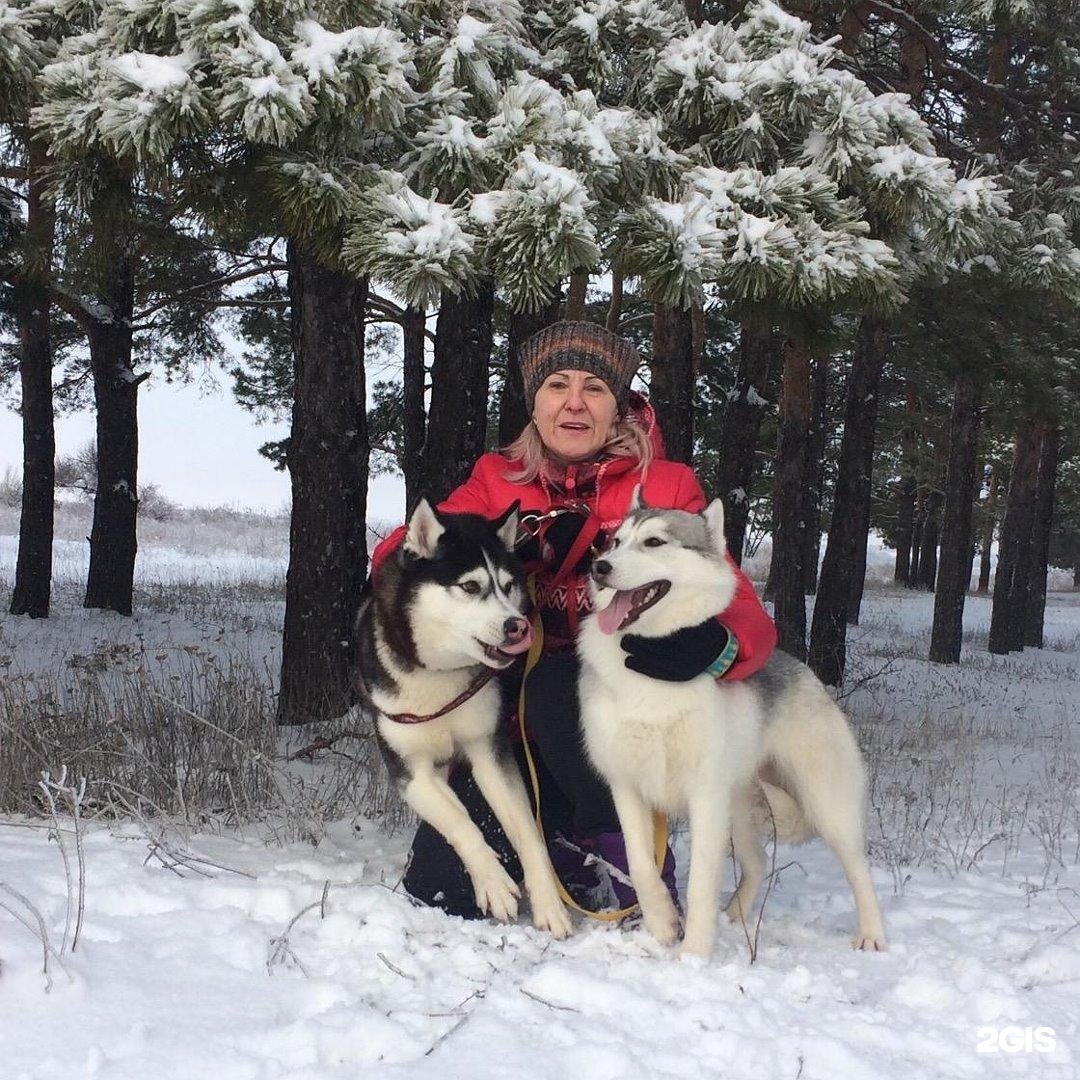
{"points": [[445, 614], [728, 754]]}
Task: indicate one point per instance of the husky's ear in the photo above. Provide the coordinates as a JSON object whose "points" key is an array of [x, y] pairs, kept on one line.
{"points": [[714, 518], [506, 527], [637, 500], [424, 531]]}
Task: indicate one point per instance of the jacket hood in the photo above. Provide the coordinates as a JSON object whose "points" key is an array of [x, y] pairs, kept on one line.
{"points": [[641, 411]]}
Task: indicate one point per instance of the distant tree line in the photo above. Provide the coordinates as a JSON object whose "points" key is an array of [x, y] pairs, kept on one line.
{"points": [[844, 236]]}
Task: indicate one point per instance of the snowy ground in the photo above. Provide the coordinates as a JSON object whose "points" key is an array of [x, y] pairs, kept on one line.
{"points": [[296, 960]]}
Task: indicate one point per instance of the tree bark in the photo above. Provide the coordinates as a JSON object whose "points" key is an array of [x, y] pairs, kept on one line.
{"points": [[414, 418], [815, 473], [851, 505], [954, 571], [328, 457], [457, 417], [917, 519], [1040, 538], [742, 424], [576, 295], [615, 306], [33, 568], [671, 384], [992, 494], [1007, 615], [928, 541], [113, 537], [905, 494], [789, 500], [514, 413]]}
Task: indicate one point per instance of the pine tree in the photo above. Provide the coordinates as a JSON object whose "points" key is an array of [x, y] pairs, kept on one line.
{"points": [[25, 260], [268, 111]]}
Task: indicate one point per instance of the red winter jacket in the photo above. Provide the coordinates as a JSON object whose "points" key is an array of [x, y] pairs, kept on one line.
{"points": [[667, 485]]}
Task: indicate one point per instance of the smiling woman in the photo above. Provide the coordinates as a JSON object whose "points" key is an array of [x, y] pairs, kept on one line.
{"points": [[589, 443], [574, 412]]}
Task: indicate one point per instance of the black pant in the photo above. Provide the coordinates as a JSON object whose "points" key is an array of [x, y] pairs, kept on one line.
{"points": [[574, 799]]}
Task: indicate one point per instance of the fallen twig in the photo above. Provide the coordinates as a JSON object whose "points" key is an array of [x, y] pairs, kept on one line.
{"points": [[394, 968], [549, 1004]]}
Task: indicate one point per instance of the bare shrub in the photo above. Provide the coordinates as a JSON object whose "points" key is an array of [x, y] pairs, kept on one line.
{"points": [[199, 746], [157, 506], [78, 471], [11, 489]]}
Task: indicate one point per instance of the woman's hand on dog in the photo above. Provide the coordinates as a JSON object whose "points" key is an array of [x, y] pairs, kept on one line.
{"points": [[678, 657]]}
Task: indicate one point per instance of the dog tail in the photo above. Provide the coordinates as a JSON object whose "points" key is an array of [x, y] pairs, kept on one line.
{"points": [[777, 809]]}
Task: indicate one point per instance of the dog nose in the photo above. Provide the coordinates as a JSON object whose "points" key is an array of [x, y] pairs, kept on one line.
{"points": [[601, 568], [515, 629]]}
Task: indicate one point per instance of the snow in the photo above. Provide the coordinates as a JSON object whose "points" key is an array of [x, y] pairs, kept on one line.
{"points": [[153, 74], [432, 231], [304, 960]]}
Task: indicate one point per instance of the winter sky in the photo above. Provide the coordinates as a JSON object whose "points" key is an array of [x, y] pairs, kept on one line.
{"points": [[199, 447]]}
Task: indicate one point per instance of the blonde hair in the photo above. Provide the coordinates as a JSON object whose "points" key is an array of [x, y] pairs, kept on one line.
{"points": [[628, 439]]}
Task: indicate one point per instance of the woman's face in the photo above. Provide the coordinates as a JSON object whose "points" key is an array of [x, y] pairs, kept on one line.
{"points": [[574, 412]]}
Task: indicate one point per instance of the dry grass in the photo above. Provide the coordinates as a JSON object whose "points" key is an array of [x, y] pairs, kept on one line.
{"points": [[199, 745]]}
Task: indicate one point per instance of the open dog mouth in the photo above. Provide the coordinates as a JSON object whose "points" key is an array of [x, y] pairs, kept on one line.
{"points": [[505, 654], [627, 605]]}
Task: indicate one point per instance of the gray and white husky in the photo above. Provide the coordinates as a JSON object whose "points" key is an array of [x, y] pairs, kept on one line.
{"points": [[730, 755], [445, 613]]}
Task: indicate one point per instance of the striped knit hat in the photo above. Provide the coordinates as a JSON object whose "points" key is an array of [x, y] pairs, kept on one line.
{"points": [[579, 346]]}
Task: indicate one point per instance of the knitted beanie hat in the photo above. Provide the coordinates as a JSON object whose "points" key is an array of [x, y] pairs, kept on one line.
{"points": [[579, 346]]}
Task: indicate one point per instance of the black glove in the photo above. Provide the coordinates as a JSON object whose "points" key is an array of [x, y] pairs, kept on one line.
{"points": [[683, 655]]}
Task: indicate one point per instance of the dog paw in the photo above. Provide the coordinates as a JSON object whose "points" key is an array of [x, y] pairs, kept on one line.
{"points": [[496, 893], [661, 919], [696, 950], [549, 913], [872, 942]]}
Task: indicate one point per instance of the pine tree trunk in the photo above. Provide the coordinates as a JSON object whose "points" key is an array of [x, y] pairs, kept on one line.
{"points": [[988, 531], [851, 504], [1040, 538], [33, 569], [671, 383], [858, 571], [917, 519], [928, 541], [815, 473], [328, 458], [742, 424], [113, 539], [905, 494], [1007, 614], [874, 339], [954, 571], [414, 418], [789, 501], [457, 417], [576, 295], [615, 306], [513, 412]]}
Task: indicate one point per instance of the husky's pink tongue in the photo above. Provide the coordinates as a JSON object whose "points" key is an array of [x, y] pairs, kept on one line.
{"points": [[521, 646], [611, 618]]}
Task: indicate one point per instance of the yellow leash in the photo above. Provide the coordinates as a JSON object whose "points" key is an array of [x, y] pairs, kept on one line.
{"points": [[659, 819]]}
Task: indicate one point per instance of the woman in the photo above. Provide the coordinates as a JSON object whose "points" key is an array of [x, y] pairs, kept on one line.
{"points": [[573, 469]]}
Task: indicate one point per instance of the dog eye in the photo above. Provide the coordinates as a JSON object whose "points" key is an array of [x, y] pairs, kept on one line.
{"points": [[506, 587], [471, 588], [655, 541]]}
